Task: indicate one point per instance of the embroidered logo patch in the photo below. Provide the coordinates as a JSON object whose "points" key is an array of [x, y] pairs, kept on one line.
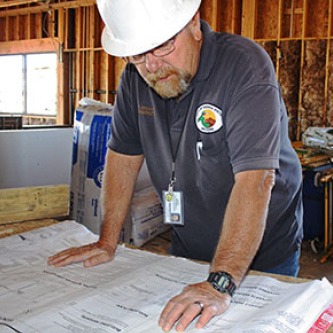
{"points": [[146, 111], [208, 118]]}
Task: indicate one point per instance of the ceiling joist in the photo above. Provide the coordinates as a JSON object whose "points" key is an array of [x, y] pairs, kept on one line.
{"points": [[44, 5]]}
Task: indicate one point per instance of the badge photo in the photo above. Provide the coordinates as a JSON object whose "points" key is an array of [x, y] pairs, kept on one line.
{"points": [[208, 118]]}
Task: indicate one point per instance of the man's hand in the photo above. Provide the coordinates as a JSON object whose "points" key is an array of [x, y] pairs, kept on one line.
{"points": [[91, 255], [199, 299]]}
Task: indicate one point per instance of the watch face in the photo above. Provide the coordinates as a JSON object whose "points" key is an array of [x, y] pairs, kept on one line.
{"points": [[223, 282]]}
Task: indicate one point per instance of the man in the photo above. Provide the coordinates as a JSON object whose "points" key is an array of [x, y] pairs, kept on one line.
{"points": [[206, 112]]}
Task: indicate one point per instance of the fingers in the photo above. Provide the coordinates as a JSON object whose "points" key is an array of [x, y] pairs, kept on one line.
{"points": [[207, 314], [62, 258], [183, 313], [91, 255], [199, 300]]}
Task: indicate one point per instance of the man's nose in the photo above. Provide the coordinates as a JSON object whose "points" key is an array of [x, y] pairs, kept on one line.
{"points": [[153, 63]]}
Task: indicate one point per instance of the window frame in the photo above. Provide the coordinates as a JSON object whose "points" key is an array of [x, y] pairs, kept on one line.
{"points": [[43, 45]]}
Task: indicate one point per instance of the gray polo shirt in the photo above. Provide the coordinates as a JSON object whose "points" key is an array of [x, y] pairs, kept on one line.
{"points": [[231, 119]]}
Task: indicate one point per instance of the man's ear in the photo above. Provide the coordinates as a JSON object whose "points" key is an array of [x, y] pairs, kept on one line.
{"points": [[196, 25]]}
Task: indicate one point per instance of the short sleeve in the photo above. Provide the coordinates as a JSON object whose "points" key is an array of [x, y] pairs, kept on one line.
{"points": [[125, 135], [253, 129]]}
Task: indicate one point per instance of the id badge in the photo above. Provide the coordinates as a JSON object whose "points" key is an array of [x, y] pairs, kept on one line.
{"points": [[173, 208]]}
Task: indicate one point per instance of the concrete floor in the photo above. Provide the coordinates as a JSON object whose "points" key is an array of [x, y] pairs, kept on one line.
{"points": [[310, 265]]}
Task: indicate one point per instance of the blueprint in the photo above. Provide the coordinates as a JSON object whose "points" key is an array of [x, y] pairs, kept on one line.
{"points": [[129, 293]]}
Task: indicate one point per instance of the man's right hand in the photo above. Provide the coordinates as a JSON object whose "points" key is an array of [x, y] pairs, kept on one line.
{"points": [[91, 255]]}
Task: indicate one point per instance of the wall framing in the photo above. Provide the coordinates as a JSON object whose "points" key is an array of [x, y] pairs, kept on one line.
{"points": [[296, 33]]}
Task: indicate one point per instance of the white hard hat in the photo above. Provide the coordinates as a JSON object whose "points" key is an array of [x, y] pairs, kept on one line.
{"points": [[135, 26]]}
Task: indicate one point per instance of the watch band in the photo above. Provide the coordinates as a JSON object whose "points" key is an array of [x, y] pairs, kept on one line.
{"points": [[222, 282]]}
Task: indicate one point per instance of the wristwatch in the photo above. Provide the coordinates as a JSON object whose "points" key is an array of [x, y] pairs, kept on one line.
{"points": [[222, 282]]}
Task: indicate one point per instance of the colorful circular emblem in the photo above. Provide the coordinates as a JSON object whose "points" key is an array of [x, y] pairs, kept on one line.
{"points": [[208, 118]]}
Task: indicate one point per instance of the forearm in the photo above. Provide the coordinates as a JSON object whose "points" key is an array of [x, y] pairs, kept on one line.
{"points": [[119, 181], [244, 223]]}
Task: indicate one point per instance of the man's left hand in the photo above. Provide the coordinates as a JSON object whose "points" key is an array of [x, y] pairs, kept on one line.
{"points": [[199, 299]]}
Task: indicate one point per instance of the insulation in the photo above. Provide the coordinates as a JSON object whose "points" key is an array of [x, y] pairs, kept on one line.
{"points": [[289, 77], [312, 107]]}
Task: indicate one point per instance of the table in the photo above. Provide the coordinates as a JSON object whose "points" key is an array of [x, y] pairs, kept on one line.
{"points": [[158, 245]]}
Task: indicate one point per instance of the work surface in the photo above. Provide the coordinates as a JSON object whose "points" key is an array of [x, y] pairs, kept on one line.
{"points": [[128, 294]]}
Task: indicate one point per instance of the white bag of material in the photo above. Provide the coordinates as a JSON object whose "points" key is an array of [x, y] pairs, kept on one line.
{"points": [[92, 130], [146, 216]]}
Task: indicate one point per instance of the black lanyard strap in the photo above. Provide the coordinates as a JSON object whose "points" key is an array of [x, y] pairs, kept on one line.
{"points": [[174, 154]]}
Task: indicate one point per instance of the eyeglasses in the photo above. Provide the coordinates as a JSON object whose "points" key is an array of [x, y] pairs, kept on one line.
{"points": [[160, 51]]}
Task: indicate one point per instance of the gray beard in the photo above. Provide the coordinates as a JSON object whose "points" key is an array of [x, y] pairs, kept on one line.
{"points": [[167, 92], [170, 89]]}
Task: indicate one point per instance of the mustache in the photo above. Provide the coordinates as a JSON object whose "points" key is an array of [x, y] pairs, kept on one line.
{"points": [[162, 73]]}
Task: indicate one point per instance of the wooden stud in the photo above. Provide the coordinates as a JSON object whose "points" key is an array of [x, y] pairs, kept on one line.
{"points": [[78, 62], [16, 30], [278, 42], [327, 75], [3, 28], [214, 17], [92, 52], [235, 20], [39, 26], [61, 117], [249, 18], [300, 112], [28, 26], [7, 28]]}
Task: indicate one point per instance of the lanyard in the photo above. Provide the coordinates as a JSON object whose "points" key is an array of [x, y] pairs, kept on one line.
{"points": [[174, 154]]}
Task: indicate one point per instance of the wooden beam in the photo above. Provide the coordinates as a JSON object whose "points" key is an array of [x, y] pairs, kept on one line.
{"points": [[44, 7], [12, 3], [30, 46], [31, 203]]}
